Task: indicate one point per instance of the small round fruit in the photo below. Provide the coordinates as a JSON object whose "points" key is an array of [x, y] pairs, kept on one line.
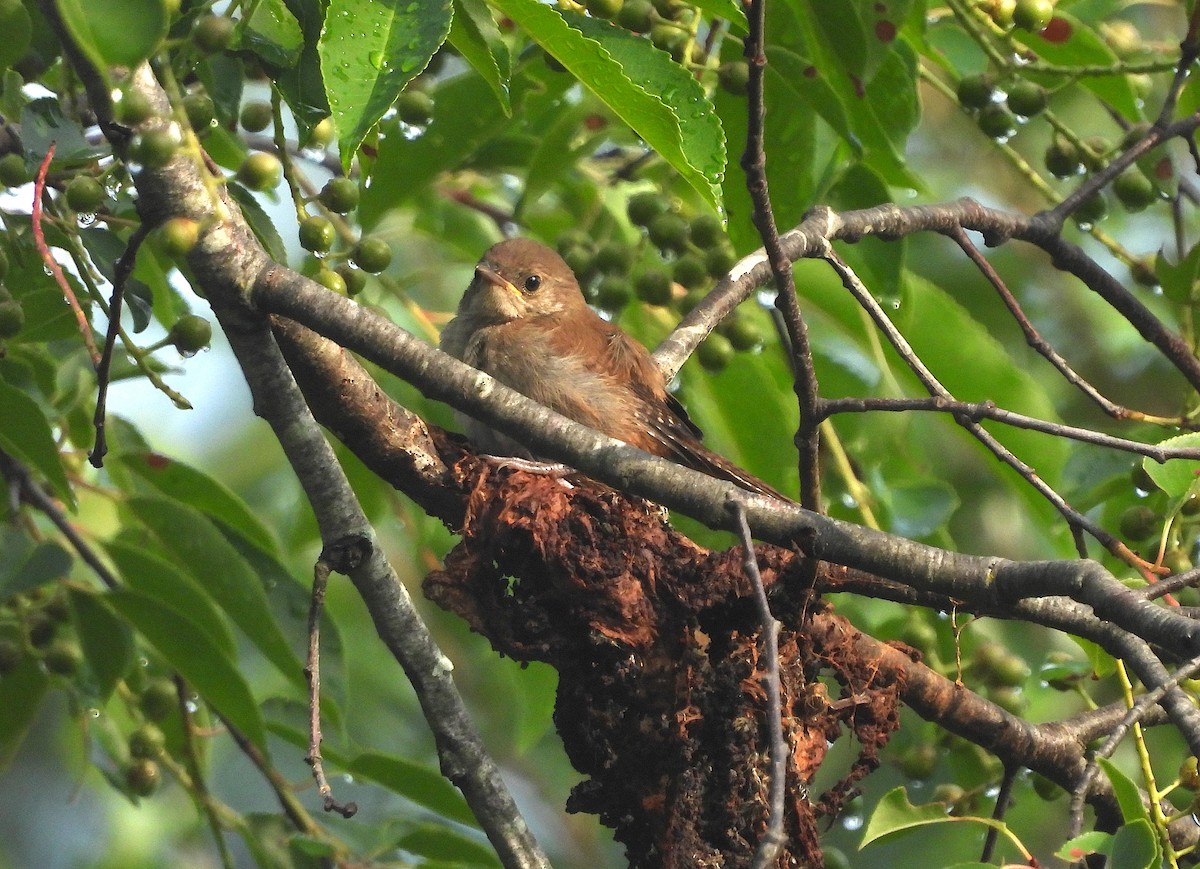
{"points": [[996, 121], [11, 655], [715, 352], [719, 260], [178, 236], [317, 234], [190, 334], [1135, 191], [13, 172], [84, 194], [1092, 209], [742, 332], [578, 260], [331, 280], [706, 230], [1138, 522], [322, 135], [134, 107], [213, 33], [636, 15], [1001, 12], [63, 657], [147, 742], [40, 629], [734, 77], [975, 91], [414, 107], [256, 116], [143, 777], [668, 231], [1027, 98], [1009, 670], [12, 318], [1095, 153], [613, 292], [200, 111], [1033, 15], [355, 279], [1141, 479], [260, 171], [160, 700], [690, 271], [372, 255], [668, 37], [643, 207], [1062, 158], [339, 195], [919, 761], [653, 286], [1011, 700], [155, 148], [604, 8], [613, 258]]}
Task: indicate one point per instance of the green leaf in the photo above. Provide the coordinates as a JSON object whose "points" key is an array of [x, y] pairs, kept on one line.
{"points": [[105, 249], [895, 814], [192, 652], [21, 695], [17, 28], [442, 842], [115, 32], [919, 509], [370, 49], [195, 488], [260, 222], [655, 96], [1176, 477], [25, 564], [729, 10], [475, 36], [1076, 849], [198, 547], [153, 577], [1136, 846], [1179, 280], [270, 31], [106, 641], [26, 436], [43, 124], [1126, 791]]}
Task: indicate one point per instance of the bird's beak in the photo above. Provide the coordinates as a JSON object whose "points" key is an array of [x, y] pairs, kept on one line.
{"points": [[485, 274]]}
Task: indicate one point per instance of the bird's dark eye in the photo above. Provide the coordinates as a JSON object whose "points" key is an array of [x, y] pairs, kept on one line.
{"points": [[532, 283]]}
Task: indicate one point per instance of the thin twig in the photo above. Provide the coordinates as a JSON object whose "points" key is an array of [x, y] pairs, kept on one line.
{"points": [[196, 772]]}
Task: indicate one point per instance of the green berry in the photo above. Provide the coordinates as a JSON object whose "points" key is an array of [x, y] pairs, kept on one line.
{"points": [[604, 8], [12, 171], [11, 655], [339, 195], [355, 279], [372, 255], [134, 108], [706, 230], [414, 107], [668, 231], [1095, 153], [578, 260], [1138, 522], [143, 777], [178, 236], [715, 352], [322, 135], [256, 116], [260, 171], [742, 332], [636, 15], [669, 38], [1027, 98], [734, 77], [147, 742], [643, 207], [1033, 15], [12, 318], [1062, 158], [1011, 700], [996, 121], [190, 334], [40, 629], [1134, 189], [690, 271], [317, 234], [160, 700], [1092, 210], [613, 292], [63, 657], [919, 761], [975, 91], [1141, 479], [213, 33], [331, 280], [613, 258], [84, 194], [200, 111], [1001, 12], [1009, 670], [653, 286], [719, 260], [155, 148]]}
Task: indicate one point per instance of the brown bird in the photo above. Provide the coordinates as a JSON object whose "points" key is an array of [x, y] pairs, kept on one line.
{"points": [[524, 321]]}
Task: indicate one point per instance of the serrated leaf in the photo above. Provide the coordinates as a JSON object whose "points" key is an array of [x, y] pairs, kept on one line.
{"points": [[193, 654], [895, 814], [106, 642], [656, 97], [1094, 842], [26, 436], [1176, 477], [271, 31], [475, 36], [370, 49], [1136, 846], [195, 488], [198, 547], [115, 32]]}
